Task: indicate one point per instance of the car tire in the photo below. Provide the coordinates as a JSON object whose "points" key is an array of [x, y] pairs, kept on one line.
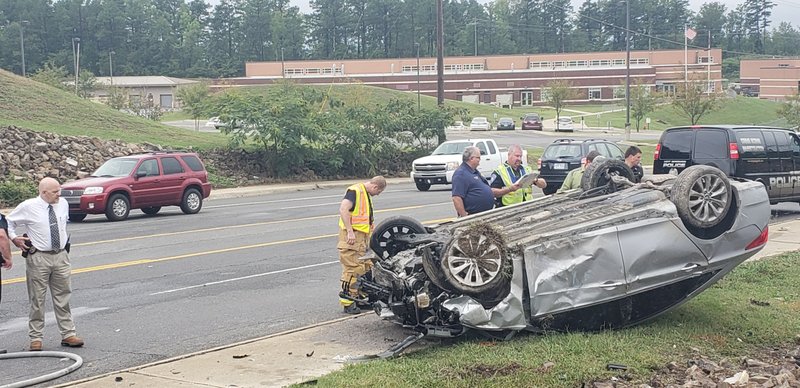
{"points": [[476, 263], [422, 186], [77, 217], [118, 207], [152, 210], [192, 201], [599, 174], [383, 241], [702, 195]]}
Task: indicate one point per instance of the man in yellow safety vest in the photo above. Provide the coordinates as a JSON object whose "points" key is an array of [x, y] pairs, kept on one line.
{"points": [[504, 180], [355, 224]]}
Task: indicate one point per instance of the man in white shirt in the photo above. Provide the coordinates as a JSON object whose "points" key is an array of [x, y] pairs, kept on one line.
{"points": [[47, 263]]}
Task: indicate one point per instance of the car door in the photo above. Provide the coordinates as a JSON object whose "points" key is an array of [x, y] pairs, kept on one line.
{"points": [[488, 162], [794, 144], [775, 175], [146, 183], [575, 272], [172, 181], [785, 166], [753, 162], [712, 148]]}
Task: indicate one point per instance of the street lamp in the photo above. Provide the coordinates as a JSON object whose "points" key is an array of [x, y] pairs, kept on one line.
{"points": [[283, 66], [111, 66], [76, 55], [22, 25], [418, 98], [627, 70]]}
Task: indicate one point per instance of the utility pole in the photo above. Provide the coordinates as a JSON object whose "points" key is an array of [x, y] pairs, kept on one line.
{"points": [[76, 55], [475, 23], [419, 103], [627, 70], [439, 53], [283, 65], [22, 25], [111, 66]]}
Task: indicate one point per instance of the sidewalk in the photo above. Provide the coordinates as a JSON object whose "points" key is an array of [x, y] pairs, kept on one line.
{"points": [[306, 353]]}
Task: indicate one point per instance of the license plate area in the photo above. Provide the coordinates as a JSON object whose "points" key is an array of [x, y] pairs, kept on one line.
{"points": [[560, 166]]}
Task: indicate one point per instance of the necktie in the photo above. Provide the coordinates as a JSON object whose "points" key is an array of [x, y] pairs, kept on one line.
{"points": [[55, 238]]}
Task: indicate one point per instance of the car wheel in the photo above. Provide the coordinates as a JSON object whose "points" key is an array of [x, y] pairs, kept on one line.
{"points": [[702, 195], [476, 263], [599, 174], [384, 238], [77, 217], [192, 201], [118, 207], [422, 186], [151, 210]]}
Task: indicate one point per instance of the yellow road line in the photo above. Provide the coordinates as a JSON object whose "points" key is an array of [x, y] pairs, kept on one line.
{"points": [[212, 252]]}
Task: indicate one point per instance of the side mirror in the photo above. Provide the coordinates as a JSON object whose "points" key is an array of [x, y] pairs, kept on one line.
{"points": [[483, 153], [140, 174]]}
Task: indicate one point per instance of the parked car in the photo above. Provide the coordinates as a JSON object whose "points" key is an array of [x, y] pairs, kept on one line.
{"points": [[480, 124], [505, 123], [438, 168], [564, 124], [764, 154], [147, 182], [457, 126], [216, 123], [532, 121], [563, 155], [605, 258]]}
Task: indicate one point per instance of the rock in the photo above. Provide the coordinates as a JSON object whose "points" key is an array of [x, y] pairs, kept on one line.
{"points": [[752, 363], [738, 379]]}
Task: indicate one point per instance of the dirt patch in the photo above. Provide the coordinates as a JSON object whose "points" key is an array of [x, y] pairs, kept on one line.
{"points": [[483, 371]]}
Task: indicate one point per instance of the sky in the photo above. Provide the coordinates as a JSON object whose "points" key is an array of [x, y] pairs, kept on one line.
{"points": [[784, 10]]}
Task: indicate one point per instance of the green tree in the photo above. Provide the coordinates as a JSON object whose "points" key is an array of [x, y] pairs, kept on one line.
{"points": [[790, 110], [643, 102], [194, 100], [557, 93], [86, 83], [117, 98], [692, 100], [51, 75]]}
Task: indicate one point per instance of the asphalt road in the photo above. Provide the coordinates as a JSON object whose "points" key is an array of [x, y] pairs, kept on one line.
{"points": [[151, 288]]}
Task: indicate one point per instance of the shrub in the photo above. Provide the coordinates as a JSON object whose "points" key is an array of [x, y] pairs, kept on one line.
{"points": [[12, 192]]}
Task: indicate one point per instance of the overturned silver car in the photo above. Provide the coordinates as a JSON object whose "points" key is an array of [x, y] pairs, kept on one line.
{"points": [[613, 255]]}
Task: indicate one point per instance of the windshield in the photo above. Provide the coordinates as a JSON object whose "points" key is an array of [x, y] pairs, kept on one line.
{"points": [[562, 151], [532, 117], [565, 119], [117, 167], [451, 148], [506, 120], [479, 120]]}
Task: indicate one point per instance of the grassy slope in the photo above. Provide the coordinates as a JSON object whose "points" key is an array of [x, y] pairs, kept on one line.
{"points": [[32, 105]]}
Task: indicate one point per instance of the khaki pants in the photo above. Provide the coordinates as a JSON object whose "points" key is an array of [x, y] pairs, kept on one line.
{"points": [[352, 268], [45, 270]]}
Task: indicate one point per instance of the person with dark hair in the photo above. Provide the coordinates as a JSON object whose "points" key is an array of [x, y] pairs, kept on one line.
{"points": [[471, 191], [47, 263], [573, 180], [633, 158]]}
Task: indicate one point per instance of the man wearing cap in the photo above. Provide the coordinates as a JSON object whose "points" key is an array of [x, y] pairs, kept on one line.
{"points": [[47, 262]]}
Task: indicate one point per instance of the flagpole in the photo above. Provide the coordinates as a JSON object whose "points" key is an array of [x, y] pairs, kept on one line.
{"points": [[685, 55]]}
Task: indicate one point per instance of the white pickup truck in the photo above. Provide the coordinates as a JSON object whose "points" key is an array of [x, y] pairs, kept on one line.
{"points": [[438, 168]]}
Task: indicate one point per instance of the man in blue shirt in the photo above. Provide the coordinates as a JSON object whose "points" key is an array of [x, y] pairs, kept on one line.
{"points": [[471, 191]]}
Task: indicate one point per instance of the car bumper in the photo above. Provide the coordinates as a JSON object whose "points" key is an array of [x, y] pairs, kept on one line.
{"points": [[433, 178], [88, 204], [532, 126]]}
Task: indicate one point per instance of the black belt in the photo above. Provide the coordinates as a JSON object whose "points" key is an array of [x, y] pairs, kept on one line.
{"points": [[54, 252]]}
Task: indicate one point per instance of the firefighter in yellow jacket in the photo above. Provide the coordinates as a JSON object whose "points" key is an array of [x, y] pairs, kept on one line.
{"points": [[355, 224]]}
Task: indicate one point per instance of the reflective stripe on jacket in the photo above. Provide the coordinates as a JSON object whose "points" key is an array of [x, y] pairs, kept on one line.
{"points": [[507, 174], [359, 217]]}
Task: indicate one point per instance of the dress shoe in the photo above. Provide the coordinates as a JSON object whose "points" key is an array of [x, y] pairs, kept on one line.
{"points": [[72, 342], [36, 346], [352, 309]]}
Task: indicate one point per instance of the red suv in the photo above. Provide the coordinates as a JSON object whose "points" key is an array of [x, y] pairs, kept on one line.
{"points": [[147, 182], [532, 121]]}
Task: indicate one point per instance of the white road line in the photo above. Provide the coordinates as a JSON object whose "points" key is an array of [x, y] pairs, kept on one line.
{"points": [[244, 278]]}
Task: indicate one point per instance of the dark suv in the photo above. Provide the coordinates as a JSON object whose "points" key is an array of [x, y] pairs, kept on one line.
{"points": [[147, 181], [765, 154], [564, 155]]}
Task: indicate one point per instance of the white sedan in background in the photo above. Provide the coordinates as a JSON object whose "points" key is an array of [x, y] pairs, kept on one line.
{"points": [[564, 123], [216, 123], [480, 124]]}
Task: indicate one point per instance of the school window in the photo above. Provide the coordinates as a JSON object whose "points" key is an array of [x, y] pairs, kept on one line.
{"points": [[165, 100], [705, 59], [618, 62], [595, 94]]}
